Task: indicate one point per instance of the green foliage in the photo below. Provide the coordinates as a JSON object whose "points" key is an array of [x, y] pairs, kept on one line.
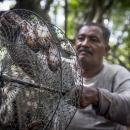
{"points": [[120, 17], [76, 14]]}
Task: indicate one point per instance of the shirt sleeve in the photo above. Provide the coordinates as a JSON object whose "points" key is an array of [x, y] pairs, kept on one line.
{"points": [[115, 105]]}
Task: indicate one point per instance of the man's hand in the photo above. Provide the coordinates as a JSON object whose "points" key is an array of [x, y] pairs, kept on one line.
{"points": [[89, 96]]}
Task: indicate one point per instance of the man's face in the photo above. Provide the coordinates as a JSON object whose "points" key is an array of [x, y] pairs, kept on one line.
{"points": [[91, 46]]}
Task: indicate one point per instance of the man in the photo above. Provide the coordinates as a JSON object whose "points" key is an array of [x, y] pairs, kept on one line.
{"points": [[105, 100], [106, 88]]}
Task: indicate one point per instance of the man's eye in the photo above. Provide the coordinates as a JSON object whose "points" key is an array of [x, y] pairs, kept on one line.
{"points": [[94, 40], [80, 38]]}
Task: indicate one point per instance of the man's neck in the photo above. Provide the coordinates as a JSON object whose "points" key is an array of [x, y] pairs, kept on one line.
{"points": [[91, 72]]}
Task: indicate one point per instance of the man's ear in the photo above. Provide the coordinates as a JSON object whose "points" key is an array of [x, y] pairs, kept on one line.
{"points": [[107, 48]]}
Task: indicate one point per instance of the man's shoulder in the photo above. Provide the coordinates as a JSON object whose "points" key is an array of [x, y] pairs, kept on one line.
{"points": [[114, 68]]}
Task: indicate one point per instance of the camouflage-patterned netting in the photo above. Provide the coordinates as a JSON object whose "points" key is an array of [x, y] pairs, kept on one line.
{"points": [[39, 68]]}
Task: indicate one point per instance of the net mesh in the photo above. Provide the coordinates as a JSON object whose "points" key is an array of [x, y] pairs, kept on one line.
{"points": [[39, 68]]}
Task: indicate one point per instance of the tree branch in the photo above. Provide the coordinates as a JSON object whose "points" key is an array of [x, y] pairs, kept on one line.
{"points": [[47, 5]]}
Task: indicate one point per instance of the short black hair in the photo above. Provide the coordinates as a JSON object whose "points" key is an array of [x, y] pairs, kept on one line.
{"points": [[106, 31]]}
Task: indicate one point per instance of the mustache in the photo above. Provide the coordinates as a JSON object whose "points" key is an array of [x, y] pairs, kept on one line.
{"points": [[85, 50]]}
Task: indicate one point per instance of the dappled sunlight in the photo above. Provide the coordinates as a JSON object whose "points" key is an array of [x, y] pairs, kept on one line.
{"points": [[5, 5]]}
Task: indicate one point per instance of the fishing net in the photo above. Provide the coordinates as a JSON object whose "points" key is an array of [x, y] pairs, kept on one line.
{"points": [[39, 70]]}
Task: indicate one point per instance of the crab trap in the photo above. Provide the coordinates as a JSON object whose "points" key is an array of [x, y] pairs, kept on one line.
{"points": [[39, 69]]}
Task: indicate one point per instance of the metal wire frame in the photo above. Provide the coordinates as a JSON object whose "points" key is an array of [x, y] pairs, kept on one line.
{"points": [[60, 40]]}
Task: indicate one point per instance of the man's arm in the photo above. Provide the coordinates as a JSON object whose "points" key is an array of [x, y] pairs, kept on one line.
{"points": [[113, 106]]}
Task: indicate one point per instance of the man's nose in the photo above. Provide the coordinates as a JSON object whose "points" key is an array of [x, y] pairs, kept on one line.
{"points": [[85, 42]]}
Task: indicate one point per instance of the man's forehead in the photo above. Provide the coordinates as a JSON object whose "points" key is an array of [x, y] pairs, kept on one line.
{"points": [[95, 30]]}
